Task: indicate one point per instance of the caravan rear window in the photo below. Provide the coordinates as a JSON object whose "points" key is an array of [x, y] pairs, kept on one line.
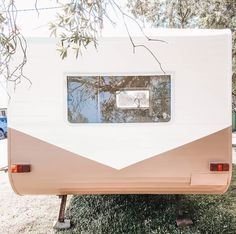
{"points": [[118, 99]]}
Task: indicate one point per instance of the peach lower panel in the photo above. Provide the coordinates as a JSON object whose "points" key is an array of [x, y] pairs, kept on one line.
{"points": [[54, 169], [109, 186], [99, 189]]}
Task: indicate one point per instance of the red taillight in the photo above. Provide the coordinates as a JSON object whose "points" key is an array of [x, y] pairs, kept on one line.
{"points": [[20, 168], [219, 167]]}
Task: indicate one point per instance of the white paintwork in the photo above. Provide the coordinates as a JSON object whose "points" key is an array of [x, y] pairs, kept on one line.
{"points": [[3, 153], [174, 32], [3, 93], [200, 64]]}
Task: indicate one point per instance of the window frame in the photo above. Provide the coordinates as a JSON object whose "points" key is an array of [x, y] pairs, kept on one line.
{"points": [[96, 74]]}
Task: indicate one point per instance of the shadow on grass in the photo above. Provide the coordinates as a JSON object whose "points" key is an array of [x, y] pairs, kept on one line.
{"points": [[152, 213]]}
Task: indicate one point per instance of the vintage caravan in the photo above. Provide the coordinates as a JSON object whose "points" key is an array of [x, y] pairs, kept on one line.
{"points": [[114, 121]]}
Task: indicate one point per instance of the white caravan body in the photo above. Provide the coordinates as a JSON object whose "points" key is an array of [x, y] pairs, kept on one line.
{"points": [[113, 121]]}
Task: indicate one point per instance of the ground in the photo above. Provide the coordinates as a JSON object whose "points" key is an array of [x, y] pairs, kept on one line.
{"points": [[149, 214], [24, 214], [98, 214]]}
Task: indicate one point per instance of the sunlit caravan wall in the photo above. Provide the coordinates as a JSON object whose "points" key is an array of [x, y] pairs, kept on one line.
{"points": [[115, 121], [3, 97]]}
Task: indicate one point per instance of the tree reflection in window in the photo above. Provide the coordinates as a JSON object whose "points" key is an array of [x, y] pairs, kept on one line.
{"points": [[92, 99]]}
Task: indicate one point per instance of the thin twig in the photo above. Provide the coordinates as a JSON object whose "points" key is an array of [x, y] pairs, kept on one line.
{"points": [[11, 40], [36, 6], [141, 45], [136, 22]]}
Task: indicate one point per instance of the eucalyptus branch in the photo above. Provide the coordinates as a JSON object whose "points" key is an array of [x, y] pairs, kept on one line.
{"points": [[12, 42], [81, 23], [136, 22], [78, 25], [141, 45]]}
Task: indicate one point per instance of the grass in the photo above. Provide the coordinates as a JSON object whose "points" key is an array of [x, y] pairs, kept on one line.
{"points": [[152, 213]]}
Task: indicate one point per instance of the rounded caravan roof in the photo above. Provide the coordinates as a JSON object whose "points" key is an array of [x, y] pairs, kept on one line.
{"points": [[170, 32], [152, 32]]}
